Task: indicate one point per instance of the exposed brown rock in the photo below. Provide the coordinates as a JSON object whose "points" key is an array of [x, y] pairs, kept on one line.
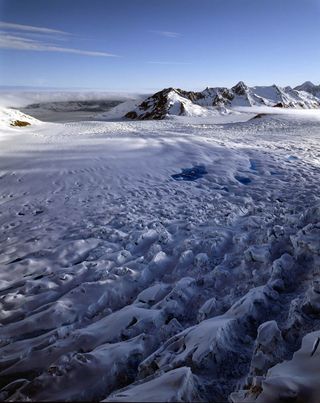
{"points": [[20, 123]]}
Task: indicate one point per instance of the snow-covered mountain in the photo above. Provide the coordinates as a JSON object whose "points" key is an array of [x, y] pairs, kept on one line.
{"points": [[309, 87], [273, 96], [172, 101]]}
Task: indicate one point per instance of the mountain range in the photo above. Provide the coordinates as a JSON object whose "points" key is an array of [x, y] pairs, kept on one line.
{"points": [[175, 101]]}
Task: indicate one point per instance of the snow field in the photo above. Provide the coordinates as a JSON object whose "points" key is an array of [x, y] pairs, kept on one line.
{"points": [[119, 283]]}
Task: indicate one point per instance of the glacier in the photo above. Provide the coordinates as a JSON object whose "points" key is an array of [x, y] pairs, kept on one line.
{"points": [[119, 283]]}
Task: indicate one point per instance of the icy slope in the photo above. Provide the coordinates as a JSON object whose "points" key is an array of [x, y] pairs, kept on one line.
{"points": [[119, 283]]}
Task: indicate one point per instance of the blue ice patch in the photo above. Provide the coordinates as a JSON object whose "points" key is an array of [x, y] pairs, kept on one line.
{"points": [[190, 174], [243, 180], [253, 165], [292, 158]]}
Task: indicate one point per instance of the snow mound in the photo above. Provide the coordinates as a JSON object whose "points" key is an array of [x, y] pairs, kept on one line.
{"points": [[14, 118]]}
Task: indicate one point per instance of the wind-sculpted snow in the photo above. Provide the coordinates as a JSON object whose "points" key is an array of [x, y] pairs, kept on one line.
{"points": [[119, 283], [178, 385], [297, 379]]}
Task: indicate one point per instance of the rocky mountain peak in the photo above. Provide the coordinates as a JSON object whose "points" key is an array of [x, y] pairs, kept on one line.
{"points": [[240, 88], [308, 84]]}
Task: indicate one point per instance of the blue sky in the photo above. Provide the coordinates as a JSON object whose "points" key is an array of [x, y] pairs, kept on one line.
{"points": [[144, 45]]}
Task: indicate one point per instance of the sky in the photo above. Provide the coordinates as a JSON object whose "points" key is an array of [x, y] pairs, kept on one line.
{"points": [[146, 45]]}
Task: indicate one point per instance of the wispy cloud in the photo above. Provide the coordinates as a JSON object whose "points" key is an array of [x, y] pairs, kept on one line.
{"points": [[30, 28], [22, 41], [167, 34], [167, 62]]}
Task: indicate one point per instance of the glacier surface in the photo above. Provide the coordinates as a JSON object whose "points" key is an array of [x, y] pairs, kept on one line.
{"points": [[119, 283]]}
